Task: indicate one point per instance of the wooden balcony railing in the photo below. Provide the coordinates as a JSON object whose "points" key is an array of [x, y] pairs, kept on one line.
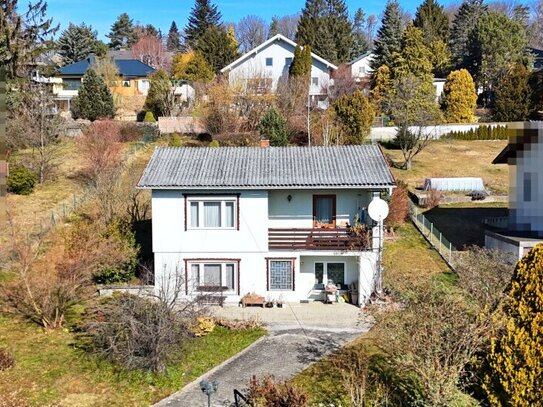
{"points": [[318, 239]]}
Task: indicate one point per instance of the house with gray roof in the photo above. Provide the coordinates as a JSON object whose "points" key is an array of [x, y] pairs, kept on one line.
{"points": [[281, 222]]}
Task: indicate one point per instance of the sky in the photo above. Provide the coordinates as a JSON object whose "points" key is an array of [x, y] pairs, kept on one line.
{"points": [[102, 13]]}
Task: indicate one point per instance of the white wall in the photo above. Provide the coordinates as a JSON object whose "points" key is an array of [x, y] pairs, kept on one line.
{"points": [[298, 213], [255, 67], [527, 215], [362, 68], [388, 133]]}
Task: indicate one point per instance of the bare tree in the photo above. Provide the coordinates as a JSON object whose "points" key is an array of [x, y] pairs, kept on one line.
{"points": [[286, 25], [536, 26], [35, 124], [251, 31], [151, 51]]}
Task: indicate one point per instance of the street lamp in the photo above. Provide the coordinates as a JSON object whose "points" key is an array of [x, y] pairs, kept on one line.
{"points": [[209, 388]]}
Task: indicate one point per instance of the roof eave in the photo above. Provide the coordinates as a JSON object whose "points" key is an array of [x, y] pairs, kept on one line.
{"points": [[263, 187]]}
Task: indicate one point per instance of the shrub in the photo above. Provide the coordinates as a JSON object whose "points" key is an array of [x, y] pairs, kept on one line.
{"points": [[356, 114], [432, 199], [269, 393], [94, 100], [202, 325], [398, 206], [135, 332], [149, 117], [459, 97], [274, 127], [6, 359], [214, 143], [21, 180], [515, 376], [479, 133], [131, 132], [175, 140], [160, 96]]}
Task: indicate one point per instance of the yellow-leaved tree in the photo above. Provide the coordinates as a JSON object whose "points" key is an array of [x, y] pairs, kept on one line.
{"points": [[515, 361], [459, 97]]}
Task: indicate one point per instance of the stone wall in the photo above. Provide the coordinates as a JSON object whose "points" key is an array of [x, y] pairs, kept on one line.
{"points": [[181, 124]]}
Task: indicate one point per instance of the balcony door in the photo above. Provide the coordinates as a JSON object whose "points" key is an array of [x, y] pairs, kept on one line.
{"points": [[324, 211]]}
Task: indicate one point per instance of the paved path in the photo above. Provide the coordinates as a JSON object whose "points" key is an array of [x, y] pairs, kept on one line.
{"points": [[286, 350]]}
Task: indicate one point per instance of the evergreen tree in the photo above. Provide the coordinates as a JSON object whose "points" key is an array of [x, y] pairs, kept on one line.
{"points": [[274, 27], [192, 66], [203, 15], [93, 100], [159, 99], [356, 114], [217, 47], [515, 376], [301, 64], [76, 43], [325, 26], [513, 95], [415, 57], [360, 41], [432, 20], [459, 97], [274, 126], [389, 36], [497, 43], [122, 33], [381, 88], [463, 25], [173, 43]]}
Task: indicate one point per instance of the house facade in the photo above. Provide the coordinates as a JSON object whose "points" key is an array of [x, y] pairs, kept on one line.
{"points": [[264, 66], [133, 79], [523, 227], [278, 221]]}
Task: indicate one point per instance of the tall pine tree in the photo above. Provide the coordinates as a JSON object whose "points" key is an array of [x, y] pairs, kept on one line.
{"points": [[463, 25], [93, 100], [173, 43], [360, 40], [389, 36], [325, 26], [202, 16], [432, 20], [76, 43], [122, 33], [217, 47]]}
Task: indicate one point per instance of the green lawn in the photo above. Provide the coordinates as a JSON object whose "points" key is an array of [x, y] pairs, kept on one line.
{"points": [[408, 258], [50, 370]]}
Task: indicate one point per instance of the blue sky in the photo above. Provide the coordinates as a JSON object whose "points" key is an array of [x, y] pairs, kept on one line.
{"points": [[101, 13]]}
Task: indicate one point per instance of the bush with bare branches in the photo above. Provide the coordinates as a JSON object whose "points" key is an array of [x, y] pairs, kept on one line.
{"points": [[270, 393], [398, 206], [6, 359]]}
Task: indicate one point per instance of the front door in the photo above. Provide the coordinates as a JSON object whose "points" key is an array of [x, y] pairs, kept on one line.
{"points": [[329, 271], [324, 211]]}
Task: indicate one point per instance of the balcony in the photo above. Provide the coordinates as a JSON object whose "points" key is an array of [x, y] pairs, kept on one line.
{"points": [[344, 239]]}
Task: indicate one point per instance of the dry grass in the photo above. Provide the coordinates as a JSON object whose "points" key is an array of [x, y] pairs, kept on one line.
{"points": [[456, 158]]}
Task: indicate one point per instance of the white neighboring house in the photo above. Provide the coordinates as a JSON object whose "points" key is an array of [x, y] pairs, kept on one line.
{"points": [[271, 220], [266, 64], [361, 70], [523, 227]]}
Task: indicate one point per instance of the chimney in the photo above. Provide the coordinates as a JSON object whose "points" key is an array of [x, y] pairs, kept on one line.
{"points": [[264, 142]]}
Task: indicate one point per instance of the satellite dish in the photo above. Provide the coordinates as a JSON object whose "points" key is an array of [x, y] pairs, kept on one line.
{"points": [[378, 209]]}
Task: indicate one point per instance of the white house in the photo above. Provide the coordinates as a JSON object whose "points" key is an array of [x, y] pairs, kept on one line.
{"points": [[523, 228], [264, 66], [276, 221]]}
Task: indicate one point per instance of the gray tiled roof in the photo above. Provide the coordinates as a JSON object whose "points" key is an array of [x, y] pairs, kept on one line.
{"points": [[263, 168]]}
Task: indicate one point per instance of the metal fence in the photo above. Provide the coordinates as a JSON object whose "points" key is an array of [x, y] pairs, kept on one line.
{"points": [[433, 235]]}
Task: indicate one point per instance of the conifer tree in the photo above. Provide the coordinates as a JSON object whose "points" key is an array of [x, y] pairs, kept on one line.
{"points": [[301, 64], [516, 366], [415, 57], [381, 88], [159, 99], [459, 97], [203, 15], [432, 20], [122, 33], [192, 66], [360, 41], [389, 36], [463, 25], [355, 114], [513, 95], [274, 126], [76, 43], [93, 100], [325, 26], [217, 47], [173, 43]]}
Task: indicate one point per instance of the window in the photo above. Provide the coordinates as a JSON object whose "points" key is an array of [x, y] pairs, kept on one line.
{"points": [[315, 81], [212, 213], [126, 84], [114, 83], [288, 61], [214, 275], [325, 272], [529, 183], [269, 61], [281, 274], [324, 211]]}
